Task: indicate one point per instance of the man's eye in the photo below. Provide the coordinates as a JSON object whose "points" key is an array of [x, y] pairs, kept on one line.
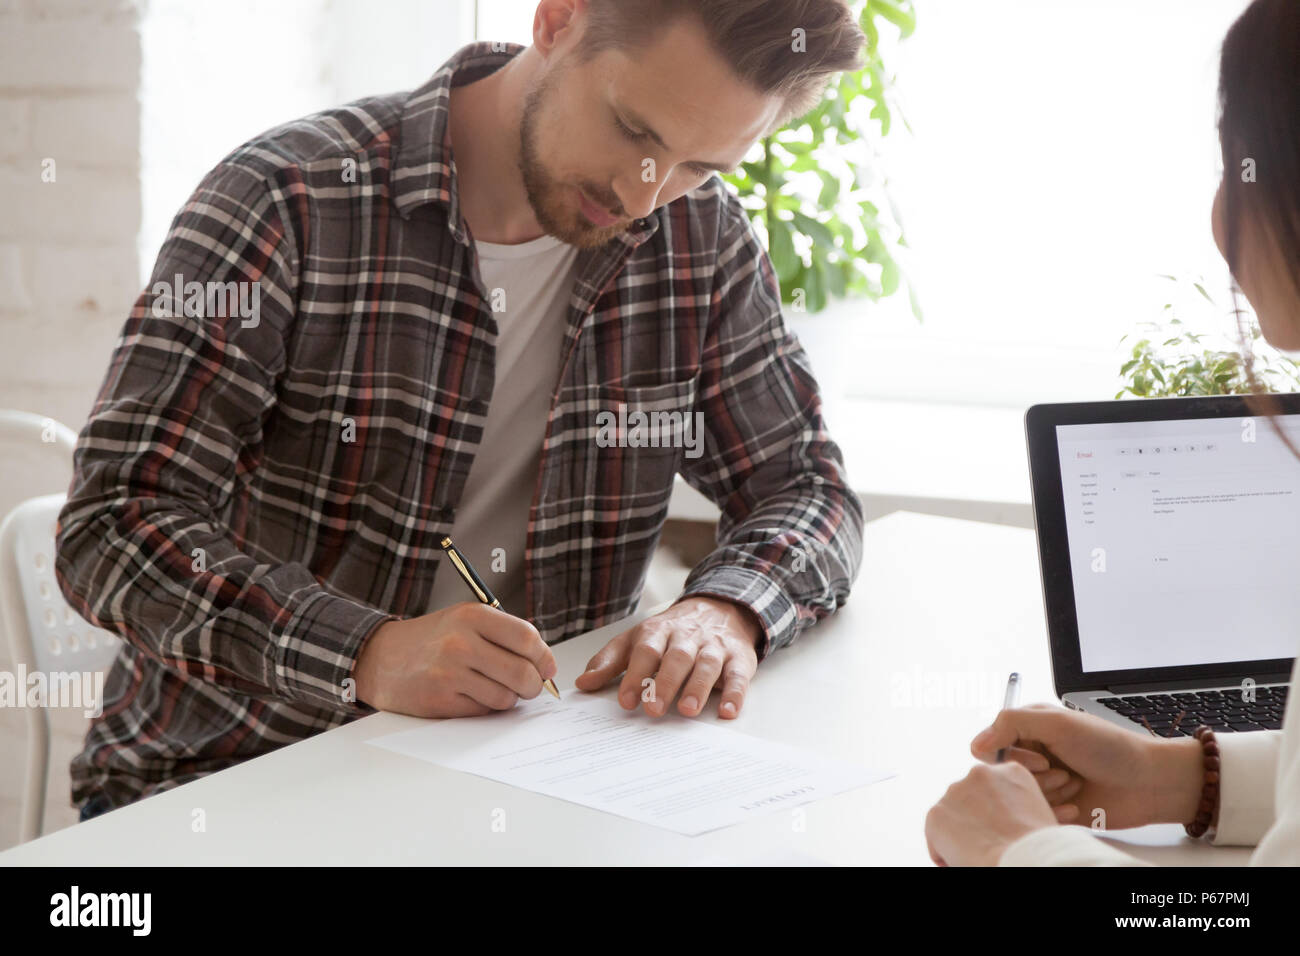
{"points": [[627, 131]]}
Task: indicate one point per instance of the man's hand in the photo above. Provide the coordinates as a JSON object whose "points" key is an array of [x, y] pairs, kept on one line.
{"points": [[462, 661], [697, 644]]}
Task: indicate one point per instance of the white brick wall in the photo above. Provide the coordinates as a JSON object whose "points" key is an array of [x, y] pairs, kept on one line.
{"points": [[69, 79], [100, 131], [119, 93], [14, 296], [309, 54], [15, 124], [69, 73]]}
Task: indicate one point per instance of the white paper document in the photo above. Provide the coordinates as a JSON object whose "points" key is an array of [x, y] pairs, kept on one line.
{"points": [[674, 772]]}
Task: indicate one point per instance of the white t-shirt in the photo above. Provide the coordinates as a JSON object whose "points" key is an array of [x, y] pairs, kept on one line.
{"points": [[536, 279]]}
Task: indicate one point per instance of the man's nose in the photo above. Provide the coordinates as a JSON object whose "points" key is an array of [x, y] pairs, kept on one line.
{"points": [[638, 194]]}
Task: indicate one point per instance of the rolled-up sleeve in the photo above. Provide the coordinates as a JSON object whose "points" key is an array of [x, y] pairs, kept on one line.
{"points": [[790, 535]]}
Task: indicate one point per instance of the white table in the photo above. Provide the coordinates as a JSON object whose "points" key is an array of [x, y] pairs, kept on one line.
{"points": [[901, 678]]}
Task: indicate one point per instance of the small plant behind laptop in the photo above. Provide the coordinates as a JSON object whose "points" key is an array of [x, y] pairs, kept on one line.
{"points": [[1187, 363], [816, 193]]}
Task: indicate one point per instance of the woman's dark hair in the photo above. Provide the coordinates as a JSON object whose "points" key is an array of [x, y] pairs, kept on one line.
{"points": [[1259, 134]]}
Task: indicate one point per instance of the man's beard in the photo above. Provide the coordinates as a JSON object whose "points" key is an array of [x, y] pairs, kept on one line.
{"points": [[553, 203]]}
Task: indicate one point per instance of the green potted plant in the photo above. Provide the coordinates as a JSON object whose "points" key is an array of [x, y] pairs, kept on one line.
{"points": [[814, 188], [1172, 360]]}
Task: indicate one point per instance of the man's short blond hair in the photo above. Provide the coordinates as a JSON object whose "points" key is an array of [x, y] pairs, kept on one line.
{"points": [[789, 48]]}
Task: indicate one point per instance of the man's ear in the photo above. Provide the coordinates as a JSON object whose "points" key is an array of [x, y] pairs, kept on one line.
{"points": [[557, 24]]}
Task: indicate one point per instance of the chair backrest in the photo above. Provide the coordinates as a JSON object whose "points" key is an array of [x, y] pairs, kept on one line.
{"points": [[45, 633], [16, 424]]}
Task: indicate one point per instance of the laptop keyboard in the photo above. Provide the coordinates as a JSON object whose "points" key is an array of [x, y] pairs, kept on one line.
{"points": [[1223, 710]]}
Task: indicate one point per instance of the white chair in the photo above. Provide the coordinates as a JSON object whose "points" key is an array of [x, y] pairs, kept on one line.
{"points": [[26, 426], [45, 634]]}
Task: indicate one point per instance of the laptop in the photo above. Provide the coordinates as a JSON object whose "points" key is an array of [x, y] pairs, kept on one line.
{"points": [[1169, 542]]}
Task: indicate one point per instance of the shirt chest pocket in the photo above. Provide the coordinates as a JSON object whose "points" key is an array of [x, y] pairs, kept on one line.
{"points": [[633, 440]]}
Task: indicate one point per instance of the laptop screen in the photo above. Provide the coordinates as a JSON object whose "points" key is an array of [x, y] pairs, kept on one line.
{"points": [[1184, 540]]}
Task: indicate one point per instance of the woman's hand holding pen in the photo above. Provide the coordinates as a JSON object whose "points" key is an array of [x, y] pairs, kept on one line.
{"points": [[1083, 764], [462, 661], [1061, 767]]}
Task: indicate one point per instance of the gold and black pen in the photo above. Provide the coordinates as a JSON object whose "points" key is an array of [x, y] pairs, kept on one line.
{"points": [[481, 590]]}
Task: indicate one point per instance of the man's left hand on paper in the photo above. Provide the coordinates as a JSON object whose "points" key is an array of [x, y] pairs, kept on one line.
{"points": [[681, 654]]}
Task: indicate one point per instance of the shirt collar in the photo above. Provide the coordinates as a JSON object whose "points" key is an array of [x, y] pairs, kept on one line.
{"points": [[424, 170]]}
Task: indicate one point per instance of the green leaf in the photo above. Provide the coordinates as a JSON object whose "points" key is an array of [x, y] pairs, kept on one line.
{"points": [[889, 277], [756, 171], [916, 303], [835, 112], [814, 230], [837, 278], [867, 21], [781, 248], [816, 287], [874, 250], [899, 14], [795, 146], [881, 112], [803, 164], [830, 192]]}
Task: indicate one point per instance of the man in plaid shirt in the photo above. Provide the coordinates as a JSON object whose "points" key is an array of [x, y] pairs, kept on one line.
{"points": [[287, 427]]}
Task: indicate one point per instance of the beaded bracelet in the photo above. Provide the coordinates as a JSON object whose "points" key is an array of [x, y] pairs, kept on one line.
{"points": [[1210, 791]]}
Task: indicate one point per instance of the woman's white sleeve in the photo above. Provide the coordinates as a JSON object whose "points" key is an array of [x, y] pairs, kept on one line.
{"points": [[1065, 846], [1247, 784]]}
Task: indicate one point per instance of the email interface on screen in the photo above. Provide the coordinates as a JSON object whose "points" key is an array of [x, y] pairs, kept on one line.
{"points": [[1184, 540]]}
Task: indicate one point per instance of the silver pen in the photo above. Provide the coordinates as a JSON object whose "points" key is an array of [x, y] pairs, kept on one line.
{"points": [[1009, 700]]}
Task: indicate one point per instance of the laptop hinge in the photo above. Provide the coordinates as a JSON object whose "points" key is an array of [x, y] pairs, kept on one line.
{"points": [[1276, 678]]}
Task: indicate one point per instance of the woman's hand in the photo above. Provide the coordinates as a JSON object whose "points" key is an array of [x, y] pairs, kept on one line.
{"points": [[1095, 773], [983, 814]]}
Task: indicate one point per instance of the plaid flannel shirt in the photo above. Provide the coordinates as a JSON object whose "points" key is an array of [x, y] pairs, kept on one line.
{"points": [[244, 543]]}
